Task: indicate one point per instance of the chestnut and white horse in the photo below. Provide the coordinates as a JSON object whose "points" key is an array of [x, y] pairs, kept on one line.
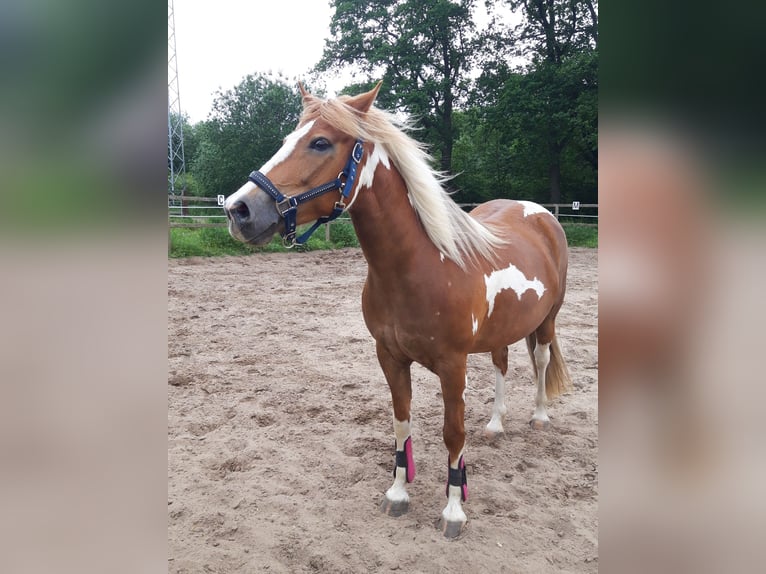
{"points": [[441, 283]]}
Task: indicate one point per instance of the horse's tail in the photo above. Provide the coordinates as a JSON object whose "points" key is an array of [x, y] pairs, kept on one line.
{"points": [[557, 377]]}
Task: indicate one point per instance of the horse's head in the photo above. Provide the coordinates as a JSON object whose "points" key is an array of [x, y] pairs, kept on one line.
{"points": [[310, 178]]}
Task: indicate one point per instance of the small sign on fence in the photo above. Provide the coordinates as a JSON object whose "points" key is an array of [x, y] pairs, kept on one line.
{"points": [[221, 199], [575, 205]]}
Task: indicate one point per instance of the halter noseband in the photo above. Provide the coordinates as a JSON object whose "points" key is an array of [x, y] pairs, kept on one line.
{"points": [[287, 206]]}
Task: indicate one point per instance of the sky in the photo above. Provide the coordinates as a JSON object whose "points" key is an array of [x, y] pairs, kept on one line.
{"points": [[218, 43]]}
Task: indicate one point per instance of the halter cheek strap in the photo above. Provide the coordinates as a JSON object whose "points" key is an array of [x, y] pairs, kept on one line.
{"points": [[287, 206]]}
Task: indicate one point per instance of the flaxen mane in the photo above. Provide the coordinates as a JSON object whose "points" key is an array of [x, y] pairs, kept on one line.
{"points": [[455, 233]]}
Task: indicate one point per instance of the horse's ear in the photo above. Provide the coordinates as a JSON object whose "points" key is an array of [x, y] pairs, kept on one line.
{"points": [[307, 98], [363, 102]]}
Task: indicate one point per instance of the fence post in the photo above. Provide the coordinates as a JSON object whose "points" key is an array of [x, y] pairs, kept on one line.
{"points": [[327, 231], [556, 211]]}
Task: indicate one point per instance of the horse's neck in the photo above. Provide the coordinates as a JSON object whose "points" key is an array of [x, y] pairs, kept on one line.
{"points": [[388, 229]]}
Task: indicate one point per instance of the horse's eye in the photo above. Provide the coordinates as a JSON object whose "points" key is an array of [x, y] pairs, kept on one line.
{"points": [[321, 144]]}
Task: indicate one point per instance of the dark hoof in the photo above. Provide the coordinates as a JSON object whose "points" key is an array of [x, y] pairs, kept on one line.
{"points": [[452, 529], [394, 508], [539, 425]]}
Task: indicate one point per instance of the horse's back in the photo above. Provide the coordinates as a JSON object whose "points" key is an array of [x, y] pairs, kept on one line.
{"points": [[524, 224], [534, 244]]}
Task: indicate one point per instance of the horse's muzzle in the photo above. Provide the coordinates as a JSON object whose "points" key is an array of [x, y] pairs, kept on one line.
{"points": [[253, 220]]}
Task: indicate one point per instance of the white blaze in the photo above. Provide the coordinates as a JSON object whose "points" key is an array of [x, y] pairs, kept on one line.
{"points": [[241, 192], [510, 278], [287, 148], [284, 152]]}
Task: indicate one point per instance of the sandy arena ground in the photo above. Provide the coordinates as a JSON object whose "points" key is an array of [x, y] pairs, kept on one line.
{"points": [[280, 440]]}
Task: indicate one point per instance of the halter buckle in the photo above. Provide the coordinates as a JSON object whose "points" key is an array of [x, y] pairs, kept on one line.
{"points": [[281, 204], [357, 152]]}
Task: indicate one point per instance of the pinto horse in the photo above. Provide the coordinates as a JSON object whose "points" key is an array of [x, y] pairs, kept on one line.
{"points": [[441, 283]]}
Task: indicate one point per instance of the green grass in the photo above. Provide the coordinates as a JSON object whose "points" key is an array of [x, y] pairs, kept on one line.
{"points": [[581, 234], [216, 241]]}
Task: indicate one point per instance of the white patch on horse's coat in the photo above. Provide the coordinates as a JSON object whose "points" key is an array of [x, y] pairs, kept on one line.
{"points": [[474, 324], [367, 174], [510, 278], [542, 354], [453, 512], [402, 430], [530, 208], [239, 194], [287, 148], [398, 492], [499, 409], [441, 256]]}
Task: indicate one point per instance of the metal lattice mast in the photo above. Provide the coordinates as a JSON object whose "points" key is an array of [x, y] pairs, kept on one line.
{"points": [[176, 162]]}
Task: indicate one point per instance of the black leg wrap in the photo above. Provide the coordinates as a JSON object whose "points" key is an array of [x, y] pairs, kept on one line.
{"points": [[457, 477], [401, 459]]}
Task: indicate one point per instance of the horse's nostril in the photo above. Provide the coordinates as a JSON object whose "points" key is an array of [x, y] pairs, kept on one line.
{"points": [[240, 210]]}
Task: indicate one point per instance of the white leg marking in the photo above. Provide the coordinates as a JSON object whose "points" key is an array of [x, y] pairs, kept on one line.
{"points": [[510, 278], [499, 409], [453, 512], [474, 324], [287, 148], [542, 358], [398, 492]]}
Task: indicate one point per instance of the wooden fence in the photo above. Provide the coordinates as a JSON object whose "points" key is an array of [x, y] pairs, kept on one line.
{"points": [[195, 212]]}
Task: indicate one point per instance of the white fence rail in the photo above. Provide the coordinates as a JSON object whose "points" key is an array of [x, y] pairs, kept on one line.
{"points": [[196, 212]]}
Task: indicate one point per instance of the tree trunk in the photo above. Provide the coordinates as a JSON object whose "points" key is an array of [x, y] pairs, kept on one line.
{"points": [[554, 173]]}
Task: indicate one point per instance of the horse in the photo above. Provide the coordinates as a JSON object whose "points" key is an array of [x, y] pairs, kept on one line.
{"points": [[441, 284]]}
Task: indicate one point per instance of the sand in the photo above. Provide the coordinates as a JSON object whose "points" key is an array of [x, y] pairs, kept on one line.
{"points": [[280, 437]]}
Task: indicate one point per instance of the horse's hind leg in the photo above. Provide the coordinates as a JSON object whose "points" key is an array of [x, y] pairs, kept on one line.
{"points": [[495, 425], [539, 347], [550, 369], [396, 500], [541, 355]]}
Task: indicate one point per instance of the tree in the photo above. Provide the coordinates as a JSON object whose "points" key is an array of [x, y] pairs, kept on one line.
{"points": [[244, 129], [423, 51], [554, 100]]}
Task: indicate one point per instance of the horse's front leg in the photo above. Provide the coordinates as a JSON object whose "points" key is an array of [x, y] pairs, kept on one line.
{"points": [[453, 381], [397, 371]]}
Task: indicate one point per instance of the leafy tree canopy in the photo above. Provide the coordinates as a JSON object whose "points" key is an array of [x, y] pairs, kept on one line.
{"points": [[244, 129]]}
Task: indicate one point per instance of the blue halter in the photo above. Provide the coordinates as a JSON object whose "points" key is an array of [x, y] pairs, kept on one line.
{"points": [[287, 207]]}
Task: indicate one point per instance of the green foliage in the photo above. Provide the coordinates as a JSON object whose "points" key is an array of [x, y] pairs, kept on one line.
{"points": [[204, 242], [581, 234], [423, 51], [342, 234], [519, 132], [216, 241], [245, 128]]}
